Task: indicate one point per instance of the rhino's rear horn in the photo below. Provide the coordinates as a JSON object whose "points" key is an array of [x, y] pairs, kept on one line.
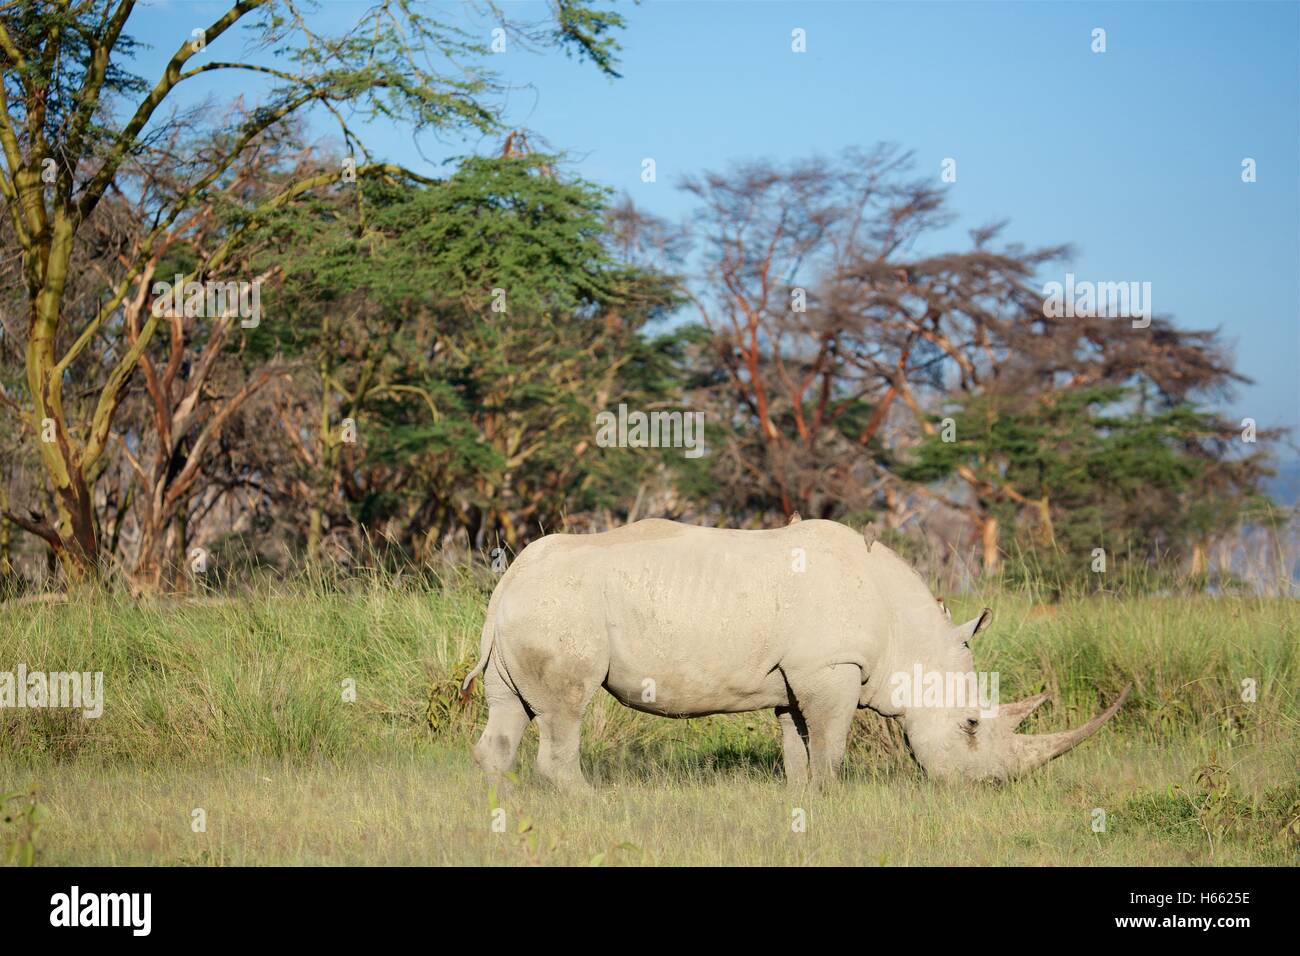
{"points": [[1030, 751], [1014, 714]]}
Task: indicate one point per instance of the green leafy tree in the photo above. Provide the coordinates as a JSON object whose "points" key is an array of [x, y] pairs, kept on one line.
{"points": [[1090, 468], [466, 332], [73, 121]]}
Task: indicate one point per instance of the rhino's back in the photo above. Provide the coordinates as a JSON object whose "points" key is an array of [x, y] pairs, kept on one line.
{"points": [[684, 565]]}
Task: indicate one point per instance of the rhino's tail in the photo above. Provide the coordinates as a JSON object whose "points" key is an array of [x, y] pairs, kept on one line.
{"points": [[484, 652]]}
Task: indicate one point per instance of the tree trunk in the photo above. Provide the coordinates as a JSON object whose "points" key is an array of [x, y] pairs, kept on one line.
{"points": [[327, 462], [1047, 533], [6, 547], [77, 546], [176, 570], [315, 530], [1199, 563], [989, 536], [151, 556]]}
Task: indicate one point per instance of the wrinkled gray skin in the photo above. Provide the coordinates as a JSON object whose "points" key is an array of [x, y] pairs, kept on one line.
{"points": [[684, 621]]}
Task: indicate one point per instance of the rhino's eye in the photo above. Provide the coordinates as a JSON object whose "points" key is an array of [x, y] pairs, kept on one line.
{"points": [[970, 726]]}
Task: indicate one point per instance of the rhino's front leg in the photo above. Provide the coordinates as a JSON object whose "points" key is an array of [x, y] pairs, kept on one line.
{"points": [[828, 700], [794, 740]]}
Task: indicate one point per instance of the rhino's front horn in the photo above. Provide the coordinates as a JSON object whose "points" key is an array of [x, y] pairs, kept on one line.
{"points": [[1014, 714], [1030, 751]]}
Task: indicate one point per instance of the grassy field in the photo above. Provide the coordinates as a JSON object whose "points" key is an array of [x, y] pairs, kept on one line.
{"points": [[240, 709]]}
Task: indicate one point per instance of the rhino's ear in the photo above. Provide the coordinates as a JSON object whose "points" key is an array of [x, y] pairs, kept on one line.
{"points": [[972, 627]]}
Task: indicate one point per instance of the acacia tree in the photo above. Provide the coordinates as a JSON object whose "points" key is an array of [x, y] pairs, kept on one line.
{"points": [[164, 424], [465, 332], [191, 388], [992, 360], [1099, 470], [822, 312], [840, 340], [68, 128]]}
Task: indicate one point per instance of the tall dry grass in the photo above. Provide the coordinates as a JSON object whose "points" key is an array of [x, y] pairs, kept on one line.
{"points": [[240, 704]]}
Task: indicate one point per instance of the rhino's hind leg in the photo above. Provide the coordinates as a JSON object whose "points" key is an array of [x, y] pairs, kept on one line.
{"points": [[794, 740], [559, 690], [828, 700], [556, 670], [559, 742], [507, 720]]}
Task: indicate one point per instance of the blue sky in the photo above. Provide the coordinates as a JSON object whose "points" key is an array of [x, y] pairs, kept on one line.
{"points": [[1132, 155]]}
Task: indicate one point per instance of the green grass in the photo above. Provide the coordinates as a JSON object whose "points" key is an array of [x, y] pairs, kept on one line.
{"points": [[237, 707]]}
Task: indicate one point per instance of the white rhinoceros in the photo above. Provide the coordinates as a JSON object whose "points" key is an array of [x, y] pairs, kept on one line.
{"points": [[684, 621]]}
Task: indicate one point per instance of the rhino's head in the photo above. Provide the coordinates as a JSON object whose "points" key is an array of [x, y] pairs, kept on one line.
{"points": [[971, 740]]}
